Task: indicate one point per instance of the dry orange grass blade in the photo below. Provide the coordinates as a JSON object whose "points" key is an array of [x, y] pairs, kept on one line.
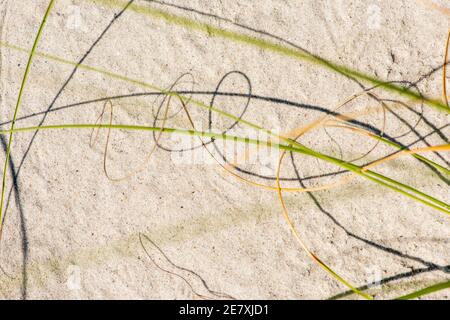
{"points": [[154, 147], [303, 245], [295, 134], [432, 5], [367, 133], [445, 147]]}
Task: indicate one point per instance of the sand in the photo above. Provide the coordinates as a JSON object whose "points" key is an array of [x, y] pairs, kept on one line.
{"points": [[72, 233]]}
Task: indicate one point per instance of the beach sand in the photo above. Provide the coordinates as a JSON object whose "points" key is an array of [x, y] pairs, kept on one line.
{"points": [[70, 232]]}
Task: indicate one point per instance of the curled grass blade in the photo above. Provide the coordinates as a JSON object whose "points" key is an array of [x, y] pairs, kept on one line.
{"points": [[291, 146], [146, 85], [393, 144]]}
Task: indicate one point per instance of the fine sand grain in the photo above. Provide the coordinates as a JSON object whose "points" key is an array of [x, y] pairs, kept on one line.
{"points": [[70, 232]]}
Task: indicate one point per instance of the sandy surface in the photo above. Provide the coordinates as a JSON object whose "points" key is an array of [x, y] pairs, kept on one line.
{"points": [[72, 233]]}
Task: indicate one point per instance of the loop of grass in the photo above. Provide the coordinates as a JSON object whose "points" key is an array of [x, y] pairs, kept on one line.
{"points": [[288, 143], [274, 47]]}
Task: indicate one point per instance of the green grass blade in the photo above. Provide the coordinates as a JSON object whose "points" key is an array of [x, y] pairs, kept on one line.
{"points": [[298, 148], [415, 155], [19, 99], [426, 291], [146, 85], [274, 47], [291, 145]]}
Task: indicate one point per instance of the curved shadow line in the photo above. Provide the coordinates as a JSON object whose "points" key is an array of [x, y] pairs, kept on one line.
{"points": [[430, 266], [23, 223], [15, 173], [386, 280], [296, 46], [292, 44], [263, 98]]}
